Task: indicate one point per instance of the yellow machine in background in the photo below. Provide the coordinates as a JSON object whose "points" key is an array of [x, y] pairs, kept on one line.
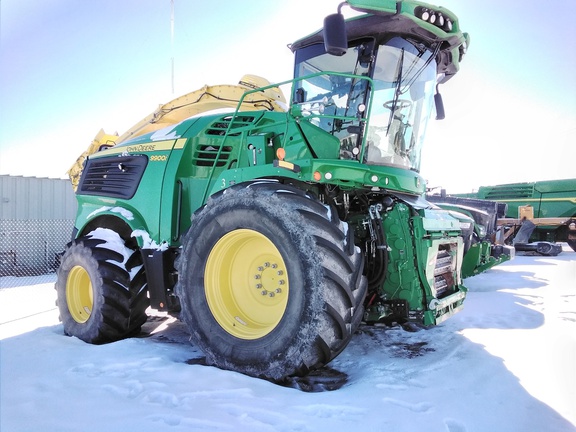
{"points": [[205, 99]]}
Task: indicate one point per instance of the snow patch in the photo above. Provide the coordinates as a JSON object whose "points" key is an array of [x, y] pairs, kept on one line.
{"points": [[166, 133], [283, 105], [169, 132], [126, 214], [505, 363], [148, 242], [113, 242], [213, 112]]}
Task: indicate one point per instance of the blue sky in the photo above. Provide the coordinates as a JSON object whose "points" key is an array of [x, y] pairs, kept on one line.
{"points": [[71, 67]]}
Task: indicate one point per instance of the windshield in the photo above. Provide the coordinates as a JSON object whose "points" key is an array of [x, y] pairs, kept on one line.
{"points": [[335, 101], [333, 94], [404, 80]]}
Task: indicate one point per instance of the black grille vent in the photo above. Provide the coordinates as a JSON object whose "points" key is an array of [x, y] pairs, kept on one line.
{"points": [[207, 155], [220, 126], [116, 177]]}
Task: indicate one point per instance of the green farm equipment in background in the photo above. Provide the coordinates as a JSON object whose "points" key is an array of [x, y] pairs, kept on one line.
{"points": [[536, 214], [274, 229], [484, 244]]}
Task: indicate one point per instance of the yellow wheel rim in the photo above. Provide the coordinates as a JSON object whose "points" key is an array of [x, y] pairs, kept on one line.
{"points": [[79, 294], [246, 284]]}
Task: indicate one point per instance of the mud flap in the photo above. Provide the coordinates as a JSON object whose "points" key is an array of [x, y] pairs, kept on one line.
{"points": [[161, 276]]}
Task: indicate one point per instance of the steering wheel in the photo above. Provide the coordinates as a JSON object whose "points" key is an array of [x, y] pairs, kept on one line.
{"points": [[400, 104]]}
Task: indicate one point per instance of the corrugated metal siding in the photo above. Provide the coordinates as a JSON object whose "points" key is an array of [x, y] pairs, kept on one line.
{"points": [[36, 221], [29, 198]]}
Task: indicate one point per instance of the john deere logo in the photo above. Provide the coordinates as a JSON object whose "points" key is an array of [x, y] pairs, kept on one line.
{"points": [[141, 148]]}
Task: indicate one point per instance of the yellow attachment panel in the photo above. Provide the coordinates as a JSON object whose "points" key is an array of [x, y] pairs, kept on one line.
{"points": [[205, 99], [101, 141], [210, 98]]}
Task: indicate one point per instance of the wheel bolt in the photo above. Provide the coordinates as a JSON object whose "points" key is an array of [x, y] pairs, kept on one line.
{"points": [[264, 292], [260, 268], [257, 276], [281, 282], [258, 286], [278, 290], [271, 294], [266, 264], [274, 266], [280, 272]]}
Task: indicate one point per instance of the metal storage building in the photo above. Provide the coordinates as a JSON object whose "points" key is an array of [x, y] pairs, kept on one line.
{"points": [[36, 221]]}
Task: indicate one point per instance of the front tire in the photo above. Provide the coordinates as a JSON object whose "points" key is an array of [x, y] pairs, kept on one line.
{"points": [[99, 300], [270, 282]]}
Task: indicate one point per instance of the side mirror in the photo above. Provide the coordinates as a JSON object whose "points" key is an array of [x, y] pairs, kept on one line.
{"points": [[335, 38], [440, 114], [300, 96]]}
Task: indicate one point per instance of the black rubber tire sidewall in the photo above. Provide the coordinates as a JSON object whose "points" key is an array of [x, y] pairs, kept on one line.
{"points": [[109, 318], [295, 332]]}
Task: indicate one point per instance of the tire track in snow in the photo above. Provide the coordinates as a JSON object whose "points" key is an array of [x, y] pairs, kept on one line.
{"points": [[28, 316]]}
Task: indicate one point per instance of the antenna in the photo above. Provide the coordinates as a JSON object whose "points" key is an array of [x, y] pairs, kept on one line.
{"points": [[172, 39]]}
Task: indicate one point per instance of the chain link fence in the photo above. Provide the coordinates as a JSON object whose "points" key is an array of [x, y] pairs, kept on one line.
{"points": [[31, 248]]}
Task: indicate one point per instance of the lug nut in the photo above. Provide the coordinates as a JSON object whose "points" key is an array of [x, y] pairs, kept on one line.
{"points": [[264, 292]]}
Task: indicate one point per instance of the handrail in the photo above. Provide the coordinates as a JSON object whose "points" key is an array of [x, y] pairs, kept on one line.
{"points": [[235, 115]]}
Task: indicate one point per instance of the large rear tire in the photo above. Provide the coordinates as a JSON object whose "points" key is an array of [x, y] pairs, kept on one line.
{"points": [[270, 282], [101, 288]]}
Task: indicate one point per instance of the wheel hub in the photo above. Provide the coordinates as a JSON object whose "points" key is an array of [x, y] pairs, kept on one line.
{"points": [[270, 279]]}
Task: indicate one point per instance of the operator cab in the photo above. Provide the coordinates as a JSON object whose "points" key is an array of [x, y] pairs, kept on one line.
{"points": [[374, 89], [384, 91]]}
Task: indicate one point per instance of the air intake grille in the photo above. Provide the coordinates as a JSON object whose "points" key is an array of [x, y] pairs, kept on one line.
{"points": [[206, 155], [220, 126], [116, 177], [443, 276]]}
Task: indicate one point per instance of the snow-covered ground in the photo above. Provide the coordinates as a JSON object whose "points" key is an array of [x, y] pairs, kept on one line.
{"points": [[506, 363]]}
